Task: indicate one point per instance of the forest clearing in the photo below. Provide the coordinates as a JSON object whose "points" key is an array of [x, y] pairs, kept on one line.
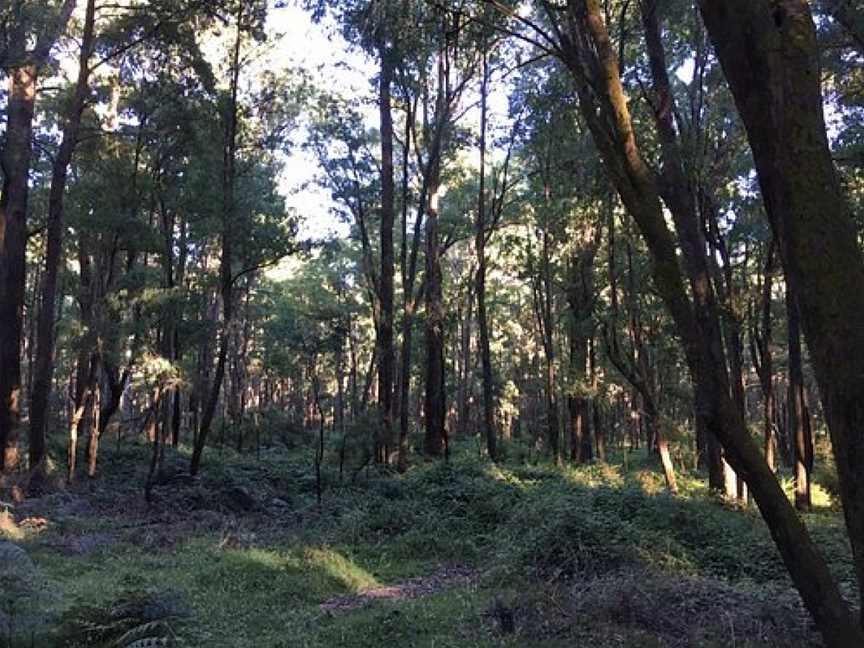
{"points": [[432, 323]]}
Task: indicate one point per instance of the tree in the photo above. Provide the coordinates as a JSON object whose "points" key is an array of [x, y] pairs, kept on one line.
{"points": [[23, 67], [44, 368], [770, 57], [585, 47]]}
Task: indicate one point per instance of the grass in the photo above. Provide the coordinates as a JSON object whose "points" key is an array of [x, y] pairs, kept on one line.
{"points": [[565, 556]]}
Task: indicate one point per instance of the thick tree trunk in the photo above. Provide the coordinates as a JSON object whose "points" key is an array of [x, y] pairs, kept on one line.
{"points": [[435, 408], [435, 441], [770, 56], [612, 128], [580, 296], [13, 242], [23, 68]]}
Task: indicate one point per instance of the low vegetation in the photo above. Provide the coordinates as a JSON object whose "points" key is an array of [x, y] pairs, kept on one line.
{"points": [[515, 554]]}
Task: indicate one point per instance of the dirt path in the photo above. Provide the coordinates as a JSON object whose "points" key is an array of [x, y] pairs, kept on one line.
{"points": [[414, 588]]}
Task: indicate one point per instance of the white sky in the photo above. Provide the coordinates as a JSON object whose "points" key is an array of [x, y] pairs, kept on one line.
{"points": [[319, 49]]}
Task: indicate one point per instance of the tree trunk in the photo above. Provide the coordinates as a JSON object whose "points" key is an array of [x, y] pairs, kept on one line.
{"points": [[580, 296], [435, 442], [652, 421], [44, 372], [760, 351], [797, 410], [614, 136], [489, 432], [435, 408], [770, 57], [23, 68], [388, 217], [13, 242]]}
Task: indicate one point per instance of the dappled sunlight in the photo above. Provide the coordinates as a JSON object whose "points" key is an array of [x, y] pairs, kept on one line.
{"points": [[9, 530], [649, 481], [596, 475], [821, 498], [506, 475], [353, 577]]}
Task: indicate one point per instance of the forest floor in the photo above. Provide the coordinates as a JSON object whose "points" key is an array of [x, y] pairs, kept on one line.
{"points": [[459, 554]]}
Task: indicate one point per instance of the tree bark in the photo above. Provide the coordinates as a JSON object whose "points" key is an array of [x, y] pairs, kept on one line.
{"points": [[760, 351], [435, 408], [799, 430], [435, 441], [770, 57], [580, 297]]}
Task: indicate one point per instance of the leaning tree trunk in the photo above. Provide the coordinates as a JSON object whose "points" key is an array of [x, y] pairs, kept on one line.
{"points": [[652, 421], [603, 104], [770, 56]]}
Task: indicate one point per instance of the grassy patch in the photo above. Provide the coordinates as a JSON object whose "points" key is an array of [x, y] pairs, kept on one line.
{"points": [[568, 556]]}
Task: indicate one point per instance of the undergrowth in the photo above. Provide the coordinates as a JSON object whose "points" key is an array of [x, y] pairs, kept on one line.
{"points": [[594, 555]]}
